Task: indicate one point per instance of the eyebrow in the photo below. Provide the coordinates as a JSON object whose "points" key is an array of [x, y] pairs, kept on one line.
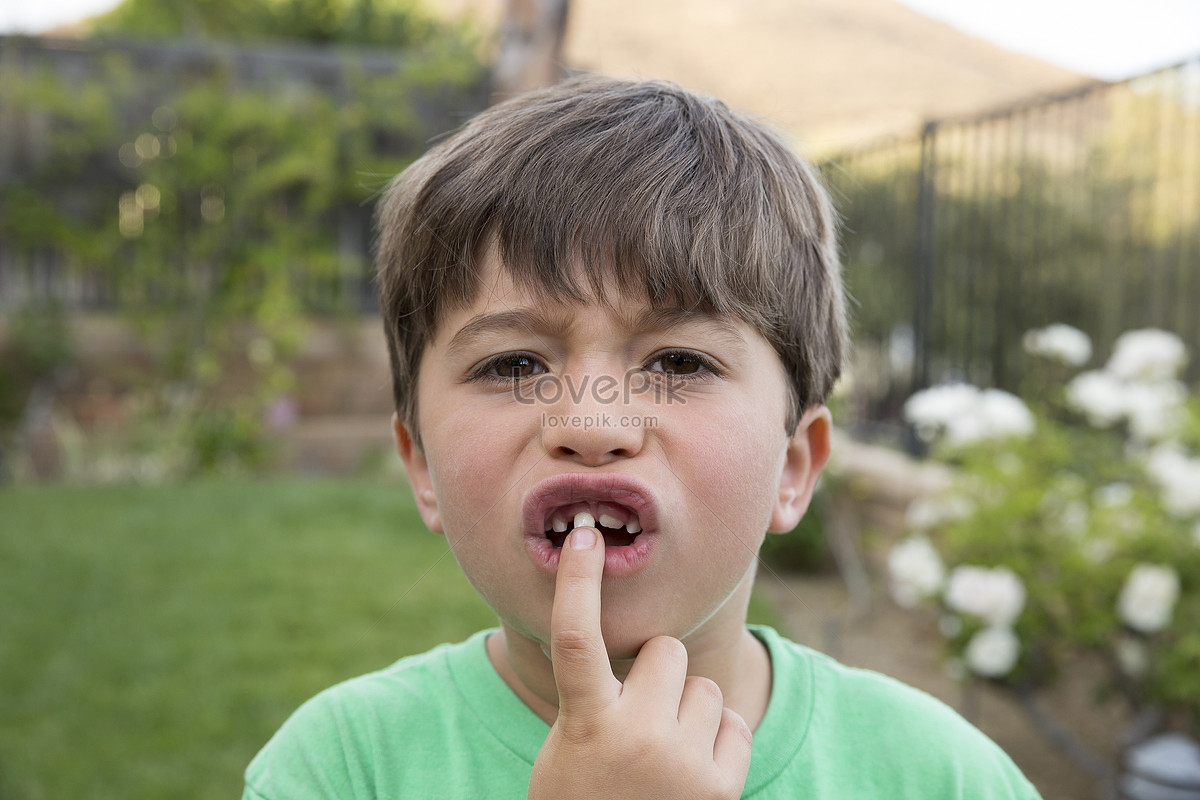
{"points": [[666, 318], [536, 321], [524, 320]]}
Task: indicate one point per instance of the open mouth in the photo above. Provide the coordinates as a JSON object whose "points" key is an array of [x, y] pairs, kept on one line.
{"points": [[617, 523], [621, 507]]}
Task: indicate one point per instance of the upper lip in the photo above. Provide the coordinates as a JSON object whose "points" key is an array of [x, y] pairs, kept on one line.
{"points": [[612, 487]]}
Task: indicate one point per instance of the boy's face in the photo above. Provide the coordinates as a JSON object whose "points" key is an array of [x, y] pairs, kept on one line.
{"points": [[531, 410]]}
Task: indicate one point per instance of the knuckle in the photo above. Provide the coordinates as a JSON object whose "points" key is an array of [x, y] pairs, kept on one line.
{"points": [[666, 648], [570, 642], [737, 725], [581, 730], [643, 739], [704, 689], [670, 645]]}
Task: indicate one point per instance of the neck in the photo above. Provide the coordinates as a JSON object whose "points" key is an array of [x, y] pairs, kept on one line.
{"points": [[721, 650]]}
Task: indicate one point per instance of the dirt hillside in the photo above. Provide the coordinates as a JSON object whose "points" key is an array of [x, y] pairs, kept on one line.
{"points": [[831, 72]]}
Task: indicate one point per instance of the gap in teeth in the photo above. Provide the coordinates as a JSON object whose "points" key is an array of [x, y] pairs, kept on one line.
{"points": [[560, 523]]}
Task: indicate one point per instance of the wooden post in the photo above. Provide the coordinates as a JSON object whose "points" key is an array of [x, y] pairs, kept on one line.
{"points": [[529, 55]]}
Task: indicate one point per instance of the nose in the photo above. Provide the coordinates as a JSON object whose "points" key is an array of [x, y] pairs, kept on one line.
{"points": [[593, 422]]}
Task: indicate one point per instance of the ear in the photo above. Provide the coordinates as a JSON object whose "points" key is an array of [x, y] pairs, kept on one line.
{"points": [[418, 475], [807, 453]]}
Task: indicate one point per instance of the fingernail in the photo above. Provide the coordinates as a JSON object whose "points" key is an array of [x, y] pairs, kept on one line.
{"points": [[583, 539]]}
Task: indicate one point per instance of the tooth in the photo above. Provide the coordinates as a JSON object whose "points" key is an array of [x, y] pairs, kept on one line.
{"points": [[609, 521], [559, 524], [633, 526], [584, 520]]}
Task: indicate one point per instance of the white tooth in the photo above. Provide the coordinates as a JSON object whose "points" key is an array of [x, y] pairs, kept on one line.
{"points": [[609, 521], [633, 526], [559, 524], [584, 520]]}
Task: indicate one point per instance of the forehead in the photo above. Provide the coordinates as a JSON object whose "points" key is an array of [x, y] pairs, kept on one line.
{"points": [[502, 305]]}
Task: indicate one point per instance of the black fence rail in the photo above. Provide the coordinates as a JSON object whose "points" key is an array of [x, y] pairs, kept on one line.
{"points": [[1082, 208], [110, 196]]}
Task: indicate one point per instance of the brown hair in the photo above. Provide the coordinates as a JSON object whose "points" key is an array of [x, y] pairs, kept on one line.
{"points": [[672, 195]]}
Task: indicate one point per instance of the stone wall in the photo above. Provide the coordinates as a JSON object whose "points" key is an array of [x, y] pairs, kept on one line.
{"points": [[342, 397]]}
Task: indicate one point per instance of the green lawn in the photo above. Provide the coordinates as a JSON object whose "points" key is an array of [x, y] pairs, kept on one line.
{"points": [[152, 639]]}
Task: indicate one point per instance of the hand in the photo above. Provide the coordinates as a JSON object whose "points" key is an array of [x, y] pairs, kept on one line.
{"points": [[661, 734]]}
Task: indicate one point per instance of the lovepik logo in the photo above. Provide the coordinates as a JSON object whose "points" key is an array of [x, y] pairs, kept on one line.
{"points": [[601, 389]]}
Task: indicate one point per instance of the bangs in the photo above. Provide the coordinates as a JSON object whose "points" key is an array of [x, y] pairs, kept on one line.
{"points": [[657, 195]]}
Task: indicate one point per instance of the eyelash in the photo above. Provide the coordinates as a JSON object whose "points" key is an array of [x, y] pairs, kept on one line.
{"points": [[707, 369]]}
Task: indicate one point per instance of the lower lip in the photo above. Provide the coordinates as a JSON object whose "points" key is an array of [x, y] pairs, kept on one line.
{"points": [[618, 561]]}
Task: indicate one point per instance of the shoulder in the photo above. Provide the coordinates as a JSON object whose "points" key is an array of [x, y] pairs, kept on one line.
{"points": [[335, 743], [417, 685], [868, 729]]}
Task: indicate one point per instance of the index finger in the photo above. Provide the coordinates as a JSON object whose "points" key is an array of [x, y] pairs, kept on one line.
{"points": [[582, 671]]}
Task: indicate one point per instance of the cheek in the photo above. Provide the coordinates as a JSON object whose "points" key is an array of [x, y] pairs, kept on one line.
{"points": [[473, 467], [734, 465]]}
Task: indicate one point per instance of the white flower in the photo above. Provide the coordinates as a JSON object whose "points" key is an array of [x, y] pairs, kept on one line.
{"points": [[1155, 410], [1006, 414], [1164, 460], [994, 595], [1147, 355], [1148, 597], [993, 652], [1138, 384], [932, 409], [1062, 343], [967, 415], [1114, 495], [916, 571], [1181, 496], [926, 513], [1178, 478], [1099, 395]]}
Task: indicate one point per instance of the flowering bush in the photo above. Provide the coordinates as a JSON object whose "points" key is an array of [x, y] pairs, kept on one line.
{"points": [[1074, 523]]}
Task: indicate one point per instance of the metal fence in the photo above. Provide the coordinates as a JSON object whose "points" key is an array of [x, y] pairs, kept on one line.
{"points": [[1083, 208]]}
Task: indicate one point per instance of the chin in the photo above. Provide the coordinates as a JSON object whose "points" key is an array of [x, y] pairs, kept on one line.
{"points": [[623, 641]]}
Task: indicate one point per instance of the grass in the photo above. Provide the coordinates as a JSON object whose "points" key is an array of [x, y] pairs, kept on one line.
{"points": [[152, 639]]}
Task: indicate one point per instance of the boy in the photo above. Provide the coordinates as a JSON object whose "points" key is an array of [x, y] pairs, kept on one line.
{"points": [[614, 312]]}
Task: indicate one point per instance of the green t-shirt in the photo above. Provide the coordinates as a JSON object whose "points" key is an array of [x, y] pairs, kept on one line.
{"points": [[443, 724]]}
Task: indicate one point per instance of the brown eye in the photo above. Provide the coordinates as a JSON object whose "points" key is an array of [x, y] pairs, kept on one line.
{"points": [[679, 364], [508, 369], [516, 366]]}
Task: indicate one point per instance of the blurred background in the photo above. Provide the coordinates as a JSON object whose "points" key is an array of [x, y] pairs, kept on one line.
{"points": [[202, 519]]}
